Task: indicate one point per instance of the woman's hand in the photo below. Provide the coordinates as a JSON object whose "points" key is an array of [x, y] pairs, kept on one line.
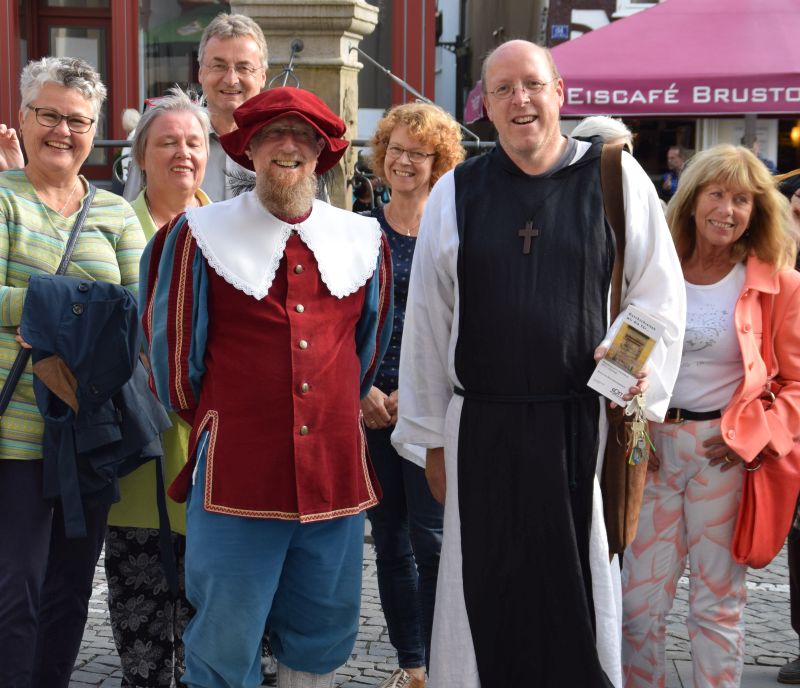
{"points": [[639, 388], [373, 408], [391, 407], [720, 454], [10, 150], [21, 341]]}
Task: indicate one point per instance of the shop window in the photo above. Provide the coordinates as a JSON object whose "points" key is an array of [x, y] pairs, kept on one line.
{"points": [[83, 4], [171, 32]]}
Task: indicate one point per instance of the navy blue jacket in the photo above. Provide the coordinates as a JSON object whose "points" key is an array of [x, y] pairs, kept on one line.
{"points": [[93, 327]]}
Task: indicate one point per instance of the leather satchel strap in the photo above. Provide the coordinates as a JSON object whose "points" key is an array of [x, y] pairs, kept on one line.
{"points": [[18, 366], [611, 182]]}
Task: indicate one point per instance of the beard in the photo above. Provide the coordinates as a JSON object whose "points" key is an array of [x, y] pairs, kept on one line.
{"points": [[286, 198]]}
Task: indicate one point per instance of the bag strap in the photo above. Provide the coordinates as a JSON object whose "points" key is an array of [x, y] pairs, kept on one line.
{"points": [[18, 366], [614, 204]]}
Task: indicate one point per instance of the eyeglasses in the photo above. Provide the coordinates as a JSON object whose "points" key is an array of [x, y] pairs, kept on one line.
{"points": [[530, 86], [278, 132], [416, 156], [77, 124], [242, 69]]}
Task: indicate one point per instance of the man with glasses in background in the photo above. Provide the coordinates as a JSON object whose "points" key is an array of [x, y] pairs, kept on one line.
{"points": [[233, 68], [507, 309]]}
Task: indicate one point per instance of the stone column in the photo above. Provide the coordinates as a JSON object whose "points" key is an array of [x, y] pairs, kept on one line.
{"points": [[326, 65]]}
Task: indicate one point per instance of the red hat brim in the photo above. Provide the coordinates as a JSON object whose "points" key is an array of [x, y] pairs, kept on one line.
{"points": [[274, 104]]}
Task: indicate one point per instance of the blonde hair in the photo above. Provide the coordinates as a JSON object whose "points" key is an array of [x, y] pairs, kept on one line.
{"points": [[430, 125], [770, 234]]}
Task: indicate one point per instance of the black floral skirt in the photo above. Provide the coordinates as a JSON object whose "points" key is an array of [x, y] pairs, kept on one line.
{"points": [[146, 619]]}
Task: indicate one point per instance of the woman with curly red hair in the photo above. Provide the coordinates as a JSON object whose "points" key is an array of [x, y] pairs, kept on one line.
{"points": [[414, 144]]}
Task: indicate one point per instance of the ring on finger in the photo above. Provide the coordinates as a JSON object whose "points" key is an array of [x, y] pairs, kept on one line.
{"points": [[728, 459]]}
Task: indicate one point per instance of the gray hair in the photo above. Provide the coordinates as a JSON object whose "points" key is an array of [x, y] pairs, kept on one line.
{"points": [[607, 128], [71, 72], [233, 26], [176, 100]]}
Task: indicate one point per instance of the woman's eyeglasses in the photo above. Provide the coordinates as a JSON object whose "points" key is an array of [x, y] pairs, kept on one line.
{"points": [[78, 124], [395, 151]]}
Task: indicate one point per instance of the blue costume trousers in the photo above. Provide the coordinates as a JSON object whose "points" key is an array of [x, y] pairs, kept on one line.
{"points": [[303, 579]]}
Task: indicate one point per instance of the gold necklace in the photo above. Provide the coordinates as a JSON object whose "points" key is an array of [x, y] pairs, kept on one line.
{"points": [[395, 225]]}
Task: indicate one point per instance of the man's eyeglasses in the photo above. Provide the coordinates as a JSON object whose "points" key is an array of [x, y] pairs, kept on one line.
{"points": [[417, 156], [242, 69], [278, 132], [78, 124], [530, 86]]}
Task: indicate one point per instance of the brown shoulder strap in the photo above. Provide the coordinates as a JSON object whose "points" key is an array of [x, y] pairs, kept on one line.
{"points": [[611, 181]]}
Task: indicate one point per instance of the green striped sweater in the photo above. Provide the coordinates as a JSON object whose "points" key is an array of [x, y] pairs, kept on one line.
{"points": [[32, 241]]}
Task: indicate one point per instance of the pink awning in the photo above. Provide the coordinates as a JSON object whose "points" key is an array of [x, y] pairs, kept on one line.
{"points": [[688, 57], [473, 108]]}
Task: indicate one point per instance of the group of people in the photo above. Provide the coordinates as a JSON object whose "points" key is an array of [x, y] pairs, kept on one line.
{"points": [[424, 363]]}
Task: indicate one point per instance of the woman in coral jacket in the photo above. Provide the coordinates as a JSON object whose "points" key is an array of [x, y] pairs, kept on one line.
{"points": [[734, 237]]}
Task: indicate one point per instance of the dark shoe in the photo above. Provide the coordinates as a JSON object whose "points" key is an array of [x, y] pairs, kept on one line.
{"points": [[790, 672]]}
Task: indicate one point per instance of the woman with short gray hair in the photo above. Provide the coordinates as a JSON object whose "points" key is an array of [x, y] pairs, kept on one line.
{"points": [[45, 576], [171, 149]]}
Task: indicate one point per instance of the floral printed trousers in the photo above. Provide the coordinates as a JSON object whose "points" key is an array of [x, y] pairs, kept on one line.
{"points": [[689, 509], [147, 621]]}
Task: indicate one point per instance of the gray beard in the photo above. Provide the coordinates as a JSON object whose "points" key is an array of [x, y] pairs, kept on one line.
{"points": [[286, 200]]}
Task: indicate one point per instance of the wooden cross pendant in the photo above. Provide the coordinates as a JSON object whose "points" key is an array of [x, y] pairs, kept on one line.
{"points": [[527, 234]]}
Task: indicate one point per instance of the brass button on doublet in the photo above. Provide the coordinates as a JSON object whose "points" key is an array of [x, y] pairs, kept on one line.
{"points": [[298, 269], [303, 344], [304, 430], [299, 307], [304, 388]]}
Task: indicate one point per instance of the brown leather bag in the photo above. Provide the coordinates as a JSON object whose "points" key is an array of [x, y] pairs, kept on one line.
{"points": [[621, 483]]}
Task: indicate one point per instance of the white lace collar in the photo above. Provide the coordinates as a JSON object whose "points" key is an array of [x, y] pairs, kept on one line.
{"points": [[244, 243]]}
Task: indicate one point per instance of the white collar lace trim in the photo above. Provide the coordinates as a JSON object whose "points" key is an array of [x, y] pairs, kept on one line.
{"points": [[244, 243]]}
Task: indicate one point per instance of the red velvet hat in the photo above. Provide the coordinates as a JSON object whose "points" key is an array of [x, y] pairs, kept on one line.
{"points": [[256, 113]]}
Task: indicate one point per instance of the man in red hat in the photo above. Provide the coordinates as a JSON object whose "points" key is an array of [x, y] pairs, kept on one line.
{"points": [[264, 316]]}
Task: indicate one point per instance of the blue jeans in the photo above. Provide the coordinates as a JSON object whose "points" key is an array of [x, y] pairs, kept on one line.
{"points": [[407, 529]]}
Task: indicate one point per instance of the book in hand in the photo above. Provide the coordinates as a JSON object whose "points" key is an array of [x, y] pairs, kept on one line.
{"points": [[628, 354]]}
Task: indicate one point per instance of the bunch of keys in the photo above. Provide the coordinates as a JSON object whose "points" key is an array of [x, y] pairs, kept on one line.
{"points": [[641, 442]]}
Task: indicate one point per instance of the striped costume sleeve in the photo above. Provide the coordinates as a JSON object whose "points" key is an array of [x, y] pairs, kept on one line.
{"points": [[174, 315], [374, 328]]}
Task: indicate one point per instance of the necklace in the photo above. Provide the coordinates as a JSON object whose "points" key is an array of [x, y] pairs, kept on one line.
{"points": [[157, 221], [394, 224], [69, 198]]}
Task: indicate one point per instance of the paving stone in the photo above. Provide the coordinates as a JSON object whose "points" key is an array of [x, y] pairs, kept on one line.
{"points": [[770, 641]]}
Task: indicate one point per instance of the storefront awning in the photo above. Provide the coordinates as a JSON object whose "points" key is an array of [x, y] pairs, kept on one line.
{"points": [[688, 57]]}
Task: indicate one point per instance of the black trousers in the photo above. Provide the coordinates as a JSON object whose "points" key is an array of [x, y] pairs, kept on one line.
{"points": [[45, 580]]}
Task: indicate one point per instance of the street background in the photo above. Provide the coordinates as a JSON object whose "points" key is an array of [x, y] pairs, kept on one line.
{"points": [[770, 639]]}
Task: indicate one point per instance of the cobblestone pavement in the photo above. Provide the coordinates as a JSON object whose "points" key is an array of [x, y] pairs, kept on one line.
{"points": [[770, 639]]}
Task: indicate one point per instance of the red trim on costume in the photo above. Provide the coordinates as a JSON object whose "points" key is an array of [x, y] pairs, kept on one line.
{"points": [[385, 279], [179, 321]]}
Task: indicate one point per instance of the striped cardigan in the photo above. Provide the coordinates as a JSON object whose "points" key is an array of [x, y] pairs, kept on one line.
{"points": [[32, 241]]}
